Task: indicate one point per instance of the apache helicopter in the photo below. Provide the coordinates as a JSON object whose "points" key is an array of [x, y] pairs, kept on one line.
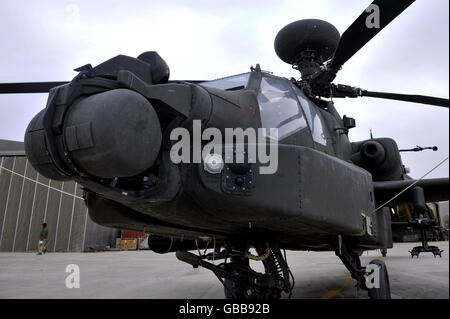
{"points": [[109, 129]]}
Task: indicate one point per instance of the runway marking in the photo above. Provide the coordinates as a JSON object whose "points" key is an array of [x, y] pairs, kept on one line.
{"points": [[332, 293]]}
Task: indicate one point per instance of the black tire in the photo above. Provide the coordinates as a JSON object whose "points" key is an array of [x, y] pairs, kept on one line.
{"points": [[237, 291], [232, 290], [245, 289], [384, 292]]}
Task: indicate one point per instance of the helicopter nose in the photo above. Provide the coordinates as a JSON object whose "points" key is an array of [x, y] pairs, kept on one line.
{"points": [[111, 134]]}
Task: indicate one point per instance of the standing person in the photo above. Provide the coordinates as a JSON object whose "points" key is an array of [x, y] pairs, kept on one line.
{"points": [[43, 237]]}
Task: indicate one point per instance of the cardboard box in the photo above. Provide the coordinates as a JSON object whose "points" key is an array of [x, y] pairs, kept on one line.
{"points": [[127, 243]]}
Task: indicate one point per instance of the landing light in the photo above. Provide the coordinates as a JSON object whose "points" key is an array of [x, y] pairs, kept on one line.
{"points": [[213, 163]]}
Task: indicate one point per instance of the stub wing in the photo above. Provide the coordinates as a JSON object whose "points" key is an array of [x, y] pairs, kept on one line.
{"points": [[435, 190]]}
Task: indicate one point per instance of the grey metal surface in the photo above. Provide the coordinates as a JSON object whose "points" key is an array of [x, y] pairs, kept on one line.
{"points": [[12, 206], [144, 274], [8, 145], [443, 213], [12, 153], [98, 236]]}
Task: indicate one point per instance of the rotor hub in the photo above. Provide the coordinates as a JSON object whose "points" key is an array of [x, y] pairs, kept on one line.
{"points": [[307, 44]]}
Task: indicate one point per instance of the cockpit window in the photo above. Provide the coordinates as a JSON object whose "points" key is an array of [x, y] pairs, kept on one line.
{"points": [[279, 108], [313, 116], [235, 82]]}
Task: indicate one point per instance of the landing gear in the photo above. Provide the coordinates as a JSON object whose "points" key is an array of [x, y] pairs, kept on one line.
{"points": [[378, 287], [422, 249], [384, 290], [239, 279], [423, 224]]}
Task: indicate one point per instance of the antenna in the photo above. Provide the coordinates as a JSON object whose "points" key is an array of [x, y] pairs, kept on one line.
{"points": [[420, 149]]}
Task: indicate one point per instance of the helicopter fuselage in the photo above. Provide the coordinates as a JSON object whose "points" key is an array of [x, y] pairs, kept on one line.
{"points": [[316, 193]]}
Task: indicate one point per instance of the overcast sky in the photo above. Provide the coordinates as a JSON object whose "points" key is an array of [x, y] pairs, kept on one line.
{"points": [[206, 39]]}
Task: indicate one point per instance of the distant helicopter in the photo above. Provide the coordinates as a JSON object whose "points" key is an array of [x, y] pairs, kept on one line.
{"points": [[110, 130]]}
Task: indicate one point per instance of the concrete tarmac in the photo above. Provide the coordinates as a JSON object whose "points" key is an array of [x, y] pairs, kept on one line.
{"points": [[144, 274]]}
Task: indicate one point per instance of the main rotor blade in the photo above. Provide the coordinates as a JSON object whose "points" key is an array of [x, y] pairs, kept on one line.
{"points": [[28, 87], [358, 34], [409, 98]]}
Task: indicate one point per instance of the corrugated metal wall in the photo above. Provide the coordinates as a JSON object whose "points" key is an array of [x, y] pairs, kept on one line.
{"points": [[27, 199], [98, 236]]}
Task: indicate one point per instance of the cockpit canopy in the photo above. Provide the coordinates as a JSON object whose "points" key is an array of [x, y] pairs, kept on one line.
{"points": [[282, 105]]}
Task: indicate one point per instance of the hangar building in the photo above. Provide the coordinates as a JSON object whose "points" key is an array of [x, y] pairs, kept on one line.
{"points": [[27, 199]]}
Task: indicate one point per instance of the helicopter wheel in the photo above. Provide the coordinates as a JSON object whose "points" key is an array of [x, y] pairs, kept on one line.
{"points": [[384, 292], [241, 291], [240, 280], [352, 262], [276, 271]]}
